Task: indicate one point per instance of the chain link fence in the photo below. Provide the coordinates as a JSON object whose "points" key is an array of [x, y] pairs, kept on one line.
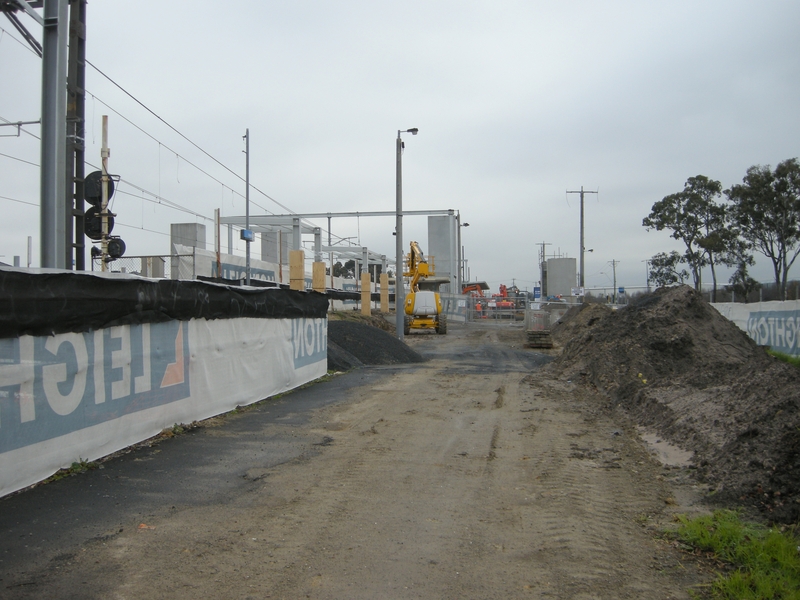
{"points": [[180, 266]]}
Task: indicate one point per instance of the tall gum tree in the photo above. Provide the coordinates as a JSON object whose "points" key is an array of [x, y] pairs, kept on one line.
{"points": [[695, 218], [766, 209]]}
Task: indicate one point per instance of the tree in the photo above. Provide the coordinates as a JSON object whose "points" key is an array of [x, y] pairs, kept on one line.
{"points": [[346, 270], [766, 209], [664, 269], [741, 283], [702, 224]]}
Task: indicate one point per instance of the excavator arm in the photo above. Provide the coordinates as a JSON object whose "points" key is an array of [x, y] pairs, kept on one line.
{"points": [[417, 266]]}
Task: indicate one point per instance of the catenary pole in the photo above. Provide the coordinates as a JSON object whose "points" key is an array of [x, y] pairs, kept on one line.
{"points": [[53, 208]]}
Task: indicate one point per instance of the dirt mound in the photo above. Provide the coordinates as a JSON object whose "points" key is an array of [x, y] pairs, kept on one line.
{"points": [[367, 345], [376, 319], [340, 359], [680, 368], [576, 320]]}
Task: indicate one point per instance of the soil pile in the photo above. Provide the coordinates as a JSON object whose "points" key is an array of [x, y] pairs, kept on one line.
{"points": [[353, 344], [376, 319], [682, 369]]}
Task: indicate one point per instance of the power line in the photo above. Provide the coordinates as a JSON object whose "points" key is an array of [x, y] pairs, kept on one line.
{"points": [[142, 229], [163, 201], [27, 162], [186, 160], [140, 103], [20, 201], [160, 200], [20, 42], [33, 135]]}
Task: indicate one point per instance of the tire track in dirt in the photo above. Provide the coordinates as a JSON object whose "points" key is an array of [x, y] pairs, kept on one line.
{"points": [[422, 485]]}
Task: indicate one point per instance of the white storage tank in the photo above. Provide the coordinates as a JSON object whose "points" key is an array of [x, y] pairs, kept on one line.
{"points": [[562, 274]]}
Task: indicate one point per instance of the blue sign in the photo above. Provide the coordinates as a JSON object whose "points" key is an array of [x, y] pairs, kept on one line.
{"points": [[54, 385], [777, 329], [309, 341]]}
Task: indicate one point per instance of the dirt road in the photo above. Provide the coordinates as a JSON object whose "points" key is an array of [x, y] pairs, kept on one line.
{"points": [[468, 476]]}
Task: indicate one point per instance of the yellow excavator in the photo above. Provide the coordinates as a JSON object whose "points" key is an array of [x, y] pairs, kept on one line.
{"points": [[423, 307]]}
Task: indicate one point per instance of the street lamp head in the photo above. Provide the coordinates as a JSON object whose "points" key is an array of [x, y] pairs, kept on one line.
{"points": [[465, 224], [412, 131]]}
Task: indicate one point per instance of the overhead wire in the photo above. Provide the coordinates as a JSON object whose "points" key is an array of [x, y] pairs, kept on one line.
{"points": [[220, 163], [33, 135], [22, 160], [20, 201], [206, 173], [20, 42], [140, 103], [162, 200]]}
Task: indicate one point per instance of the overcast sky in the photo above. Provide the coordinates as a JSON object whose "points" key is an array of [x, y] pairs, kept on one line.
{"points": [[516, 103]]}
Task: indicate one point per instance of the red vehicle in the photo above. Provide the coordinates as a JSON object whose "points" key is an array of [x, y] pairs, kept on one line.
{"points": [[502, 300], [475, 289]]}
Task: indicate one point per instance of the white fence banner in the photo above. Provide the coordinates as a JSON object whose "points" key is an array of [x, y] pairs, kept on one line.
{"points": [[773, 324], [74, 396]]}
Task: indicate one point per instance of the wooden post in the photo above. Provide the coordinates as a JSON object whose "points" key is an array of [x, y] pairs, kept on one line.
{"points": [[384, 293], [318, 277], [297, 272], [366, 294]]}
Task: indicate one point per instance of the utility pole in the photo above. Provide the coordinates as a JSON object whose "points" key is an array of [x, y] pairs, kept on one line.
{"points": [[581, 192], [646, 262], [543, 268], [614, 264]]}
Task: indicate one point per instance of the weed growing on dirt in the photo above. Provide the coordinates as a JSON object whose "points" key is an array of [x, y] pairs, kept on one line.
{"points": [[178, 429], [762, 563], [80, 466], [787, 358]]}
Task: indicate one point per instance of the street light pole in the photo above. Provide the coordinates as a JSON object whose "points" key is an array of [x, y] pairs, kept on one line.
{"points": [[399, 292], [247, 203], [460, 270]]}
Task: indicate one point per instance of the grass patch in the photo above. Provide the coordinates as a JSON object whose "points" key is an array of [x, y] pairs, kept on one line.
{"points": [[787, 358], [758, 563]]}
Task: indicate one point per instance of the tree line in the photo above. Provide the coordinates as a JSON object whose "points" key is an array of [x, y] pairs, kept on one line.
{"points": [[724, 227]]}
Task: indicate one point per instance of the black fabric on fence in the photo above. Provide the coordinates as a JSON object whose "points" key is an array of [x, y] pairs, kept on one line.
{"points": [[330, 292], [49, 303]]}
